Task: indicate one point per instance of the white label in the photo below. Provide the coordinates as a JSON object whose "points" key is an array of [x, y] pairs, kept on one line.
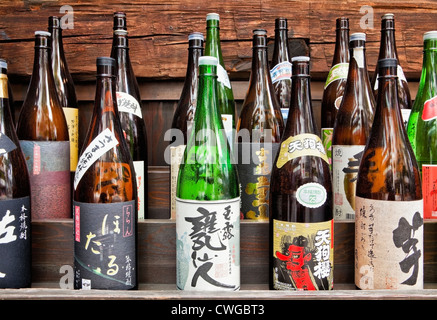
{"points": [[405, 116], [139, 172], [222, 76], [208, 245], [282, 71], [359, 56], [105, 141], [127, 103], [337, 72], [311, 195], [388, 244], [345, 164]]}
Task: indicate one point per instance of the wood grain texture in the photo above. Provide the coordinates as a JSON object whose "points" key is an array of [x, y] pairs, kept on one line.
{"points": [[158, 31]]}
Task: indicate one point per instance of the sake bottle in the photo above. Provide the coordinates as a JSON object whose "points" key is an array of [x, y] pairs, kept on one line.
{"points": [[301, 221], [129, 107], [259, 130], [15, 206], [207, 198], [281, 65], [351, 130], [387, 49], [105, 196], [183, 116], [388, 202], [224, 91], [422, 125], [335, 82], [65, 88], [44, 139]]}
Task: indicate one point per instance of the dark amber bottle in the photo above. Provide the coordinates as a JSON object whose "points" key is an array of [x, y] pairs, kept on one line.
{"points": [[43, 133], [65, 88], [301, 221], [129, 107], [387, 50], [388, 203], [351, 130], [259, 131], [281, 64], [335, 83], [105, 196], [15, 206]]}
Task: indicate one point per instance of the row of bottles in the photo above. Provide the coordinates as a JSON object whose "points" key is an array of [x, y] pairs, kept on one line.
{"points": [[290, 183]]}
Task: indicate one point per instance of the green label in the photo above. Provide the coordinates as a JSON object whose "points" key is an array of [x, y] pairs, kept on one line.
{"points": [[337, 72]]}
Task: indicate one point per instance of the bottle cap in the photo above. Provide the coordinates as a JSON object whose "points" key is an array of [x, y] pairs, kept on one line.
{"points": [[195, 36], [42, 33], [260, 32], [388, 16], [212, 16], [358, 36], [3, 64], [208, 60], [300, 58], [430, 35], [105, 61]]}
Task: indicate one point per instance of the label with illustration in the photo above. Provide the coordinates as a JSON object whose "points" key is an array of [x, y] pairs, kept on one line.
{"points": [[303, 255], [388, 244], [337, 72], [345, 164], [208, 245]]}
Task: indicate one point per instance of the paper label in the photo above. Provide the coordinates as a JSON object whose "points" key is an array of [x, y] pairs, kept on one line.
{"points": [[139, 173], [388, 244], [429, 190], [400, 74], [15, 243], [337, 72], [430, 109], [105, 141], [222, 76], [208, 245], [104, 246], [127, 103], [327, 143], [72, 117], [176, 156], [282, 71], [303, 255], [311, 195], [305, 144], [345, 165]]}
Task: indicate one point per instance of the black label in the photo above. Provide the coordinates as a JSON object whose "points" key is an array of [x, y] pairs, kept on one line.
{"points": [[255, 162], [105, 245], [15, 243]]}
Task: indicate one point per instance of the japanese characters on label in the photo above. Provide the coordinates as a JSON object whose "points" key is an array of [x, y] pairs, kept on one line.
{"points": [[337, 72], [282, 71], [104, 246], [15, 243], [208, 244], [303, 255], [388, 244]]}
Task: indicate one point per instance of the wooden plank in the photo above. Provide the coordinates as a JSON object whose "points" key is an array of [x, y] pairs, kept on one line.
{"points": [[53, 248], [158, 32]]}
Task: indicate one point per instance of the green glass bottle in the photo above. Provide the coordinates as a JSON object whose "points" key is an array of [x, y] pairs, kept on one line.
{"points": [[207, 198], [224, 87], [422, 125]]}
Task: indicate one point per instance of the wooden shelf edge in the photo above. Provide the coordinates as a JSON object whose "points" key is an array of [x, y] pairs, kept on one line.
{"points": [[154, 292]]}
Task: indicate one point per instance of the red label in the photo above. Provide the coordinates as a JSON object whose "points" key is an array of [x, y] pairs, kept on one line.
{"points": [[429, 190], [77, 223], [430, 109]]}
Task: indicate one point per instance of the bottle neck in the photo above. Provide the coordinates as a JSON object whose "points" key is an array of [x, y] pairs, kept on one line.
{"points": [[105, 101], [212, 43], [387, 108], [300, 118], [341, 52], [207, 115], [42, 77], [429, 71], [358, 74], [388, 41], [195, 51], [260, 63], [280, 49]]}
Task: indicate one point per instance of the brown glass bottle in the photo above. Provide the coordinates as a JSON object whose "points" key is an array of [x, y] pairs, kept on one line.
{"points": [[301, 221], [389, 205], [43, 133], [15, 209], [281, 65], [183, 117], [105, 196], [335, 83], [351, 130], [388, 50], [129, 107], [259, 131], [65, 88]]}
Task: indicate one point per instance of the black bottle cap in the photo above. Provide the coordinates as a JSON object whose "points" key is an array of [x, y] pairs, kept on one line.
{"points": [[106, 66]]}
